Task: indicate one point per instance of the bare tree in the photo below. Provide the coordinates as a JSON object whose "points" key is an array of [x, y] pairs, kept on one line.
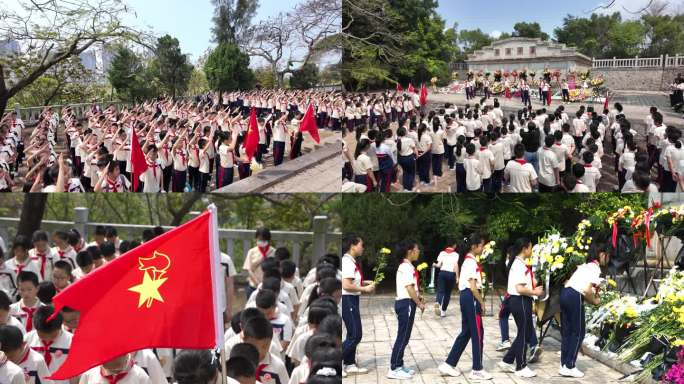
{"points": [[51, 31]]}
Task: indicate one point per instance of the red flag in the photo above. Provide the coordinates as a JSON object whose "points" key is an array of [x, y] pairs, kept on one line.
{"points": [[162, 294], [138, 162], [548, 96], [411, 89], [252, 139], [423, 94], [605, 104], [308, 124], [399, 88]]}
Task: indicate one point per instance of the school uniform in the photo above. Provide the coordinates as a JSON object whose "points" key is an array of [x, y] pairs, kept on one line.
{"points": [[8, 280], [591, 177], [437, 152], [520, 175], [460, 169], [301, 373], [296, 349], [253, 263], [473, 171], [120, 184], [362, 165], [283, 327], [487, 159], [180, 167], [35, 368], [407, 161], [271, 370], [471, 315], [9, 372], [498, 149], [97, 375], [54, 352], [148, 361], [424, 159], [279, 140], [67, 254], [405, 308], [521, 308], [350, 310], [27, 265], [24, 313], [548, 163], [386, 161], [232, 339], [573, 323], [446, 280]]}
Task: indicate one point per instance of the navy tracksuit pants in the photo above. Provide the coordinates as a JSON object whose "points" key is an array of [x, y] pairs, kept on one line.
{"points": [[471, 330]]}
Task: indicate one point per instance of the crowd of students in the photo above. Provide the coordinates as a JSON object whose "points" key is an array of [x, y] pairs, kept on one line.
{"points": [[460, 267], [188, 145], [398, 145], [289, 331]]}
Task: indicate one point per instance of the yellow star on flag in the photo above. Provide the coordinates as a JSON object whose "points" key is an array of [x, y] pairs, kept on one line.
{"points": [[149, 290]]}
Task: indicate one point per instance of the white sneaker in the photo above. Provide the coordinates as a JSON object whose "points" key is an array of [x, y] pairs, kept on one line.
{"points": [[447, 370], [398, 374], [442, 313], [504, 366], [526, 373], [344, 374], [437, 309], [353, 369], [408, 370], [504, 345], [574, 372], [480, 375]]}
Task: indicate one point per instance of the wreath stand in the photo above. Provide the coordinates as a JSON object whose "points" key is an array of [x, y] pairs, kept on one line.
{"points": [[658, 270]]}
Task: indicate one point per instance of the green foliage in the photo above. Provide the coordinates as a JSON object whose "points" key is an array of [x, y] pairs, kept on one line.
{"points": [[532, 30], [129, 77], [305, 77], [227, 69], [472, 40], [170, 66], [198, 83], [231, 17], [265, 78]]}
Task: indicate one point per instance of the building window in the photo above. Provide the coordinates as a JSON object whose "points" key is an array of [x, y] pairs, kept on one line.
{"points": [[520, 51], [509, 51], [533, 50], [497, 52]]}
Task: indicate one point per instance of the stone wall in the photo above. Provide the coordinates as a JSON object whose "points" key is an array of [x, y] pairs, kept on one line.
{"points": [[638, 79]]}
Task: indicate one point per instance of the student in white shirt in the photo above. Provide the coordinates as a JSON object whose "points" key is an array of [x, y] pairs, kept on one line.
{"points": [[487, 163], [122, 369], [473, 170], [353, 285], [447, 262], [582, 286], [16, 350], [363, 167], [472, 308], [522, 287], [459, 158], [549, 166], [406, 148], [424, 145], [153, 175], [49, 339], [9, 372], [437, 136], [591, 174], [226, 153], [195, 366], [259, 332], [407, 301], [519, 175], [25, 308]]}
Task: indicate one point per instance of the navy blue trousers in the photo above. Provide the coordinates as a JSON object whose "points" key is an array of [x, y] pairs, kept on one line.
{"points": [[521, 308], [406, 313], [471, 330], [352, 322], [446, 280], [573, 325]]}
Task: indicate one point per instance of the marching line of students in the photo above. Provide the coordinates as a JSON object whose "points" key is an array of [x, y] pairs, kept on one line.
{"points": [[467, 274], [531, 150], [188, 145], [289, 331]]}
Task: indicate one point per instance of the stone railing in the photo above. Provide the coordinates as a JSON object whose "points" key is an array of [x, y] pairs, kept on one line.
{"points": [[664, 61]]}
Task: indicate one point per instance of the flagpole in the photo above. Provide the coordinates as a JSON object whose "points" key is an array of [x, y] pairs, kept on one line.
{"points": [[219, 290]]}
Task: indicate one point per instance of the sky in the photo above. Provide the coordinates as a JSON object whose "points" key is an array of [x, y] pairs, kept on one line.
{"points": [[500, 15]]}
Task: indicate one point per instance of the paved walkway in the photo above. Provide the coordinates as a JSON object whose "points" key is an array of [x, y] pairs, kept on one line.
{"points": [[430, 343], [322, 178]]}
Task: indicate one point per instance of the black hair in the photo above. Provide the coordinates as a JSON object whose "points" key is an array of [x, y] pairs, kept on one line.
{"points": [[110, 231], [588, 157], [61, 264], [332, 259], [467, 244], [28, 276], [287, 268], [332, 325], [84, 259], [41, 316], [39, 235], [316, 341], [100, 230], [570, 181], [460, 142], [325, 287], [258, 328], [402, 249], [549, 140], [107, 249], [263, 233], [348, 240], [21, 241], [5, 301], [94, 251], [248, 314], [147, 234], [11, 338], [246, 350], [282, 253], [46, 291], [194, 366], [515, 249], [317, 313], [239, 366], [235, 322], [578, 170], [265, 299], [272, 283]]}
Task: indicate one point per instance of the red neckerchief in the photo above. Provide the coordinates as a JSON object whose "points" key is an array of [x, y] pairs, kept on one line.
{"points": [[358, 269], [546, 149], [45, 349], [154, 168], [531, 273], [479, 267], [29, 317], [587, 165], [112, 184], [43, 258], [416, 275], [520, 161], [26, 355], [113, 379], [482, 149], [196, 148], [61, 253], [264, 251], [20, 268], [448, 250], [259, 369]]}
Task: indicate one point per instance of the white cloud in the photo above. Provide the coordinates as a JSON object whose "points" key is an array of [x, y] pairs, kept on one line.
{"points": [[495, 34]]}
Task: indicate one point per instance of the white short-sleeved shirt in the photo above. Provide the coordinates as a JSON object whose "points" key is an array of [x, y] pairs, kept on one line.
{"points": [[518, 275], [486, 158], [35, 369], [585, 274], [11, 373], [135, 375], [350, 270], [363, 164], [591, 177], [59, 349], [548, 161], [469, 270], [449, 259], [520, 175], [473, 173], [406, 275]]}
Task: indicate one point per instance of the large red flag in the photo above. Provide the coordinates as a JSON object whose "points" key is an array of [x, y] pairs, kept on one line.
{"points": [[162, 294], [138, 162], [548, 96], [605, 103], [411, 89], [423, 94], [252, 139], [308, 124], [399, 88]]}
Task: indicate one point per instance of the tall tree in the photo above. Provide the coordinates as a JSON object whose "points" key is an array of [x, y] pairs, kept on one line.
{"points": [[170, 66], [227, 69], [231, 19], [532, 30], [32, 211], [589, 35], [472, 40], [129, 77], [305, 77], [51, 31]]}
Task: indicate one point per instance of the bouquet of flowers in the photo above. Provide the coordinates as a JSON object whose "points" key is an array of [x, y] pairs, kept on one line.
{"points": [[515, 74], [423, 278], [556, 74], [380, 265], [548, 255], [255, 167], [506, 74], [597, 82], [621, 220], [584, 75], [489, 254], [669, 221], [533, 74], [498, 88], [676, 373]]}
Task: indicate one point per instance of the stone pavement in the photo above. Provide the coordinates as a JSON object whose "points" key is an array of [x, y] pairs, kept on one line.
{"points": [[322, 178], [431, 341]]}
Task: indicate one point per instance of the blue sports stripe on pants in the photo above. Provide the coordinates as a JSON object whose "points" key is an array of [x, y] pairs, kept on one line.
{"points": [[471, 330], [573, 325], [352, 322], [446, 281], [406, 313]]}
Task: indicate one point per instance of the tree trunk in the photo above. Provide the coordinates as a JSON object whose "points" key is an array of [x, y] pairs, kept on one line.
{"points": [[32, 211], [190, 199], [3, 104]]}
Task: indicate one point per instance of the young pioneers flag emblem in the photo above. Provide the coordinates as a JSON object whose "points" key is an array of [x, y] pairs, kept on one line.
{"points": [[166, 293]]}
